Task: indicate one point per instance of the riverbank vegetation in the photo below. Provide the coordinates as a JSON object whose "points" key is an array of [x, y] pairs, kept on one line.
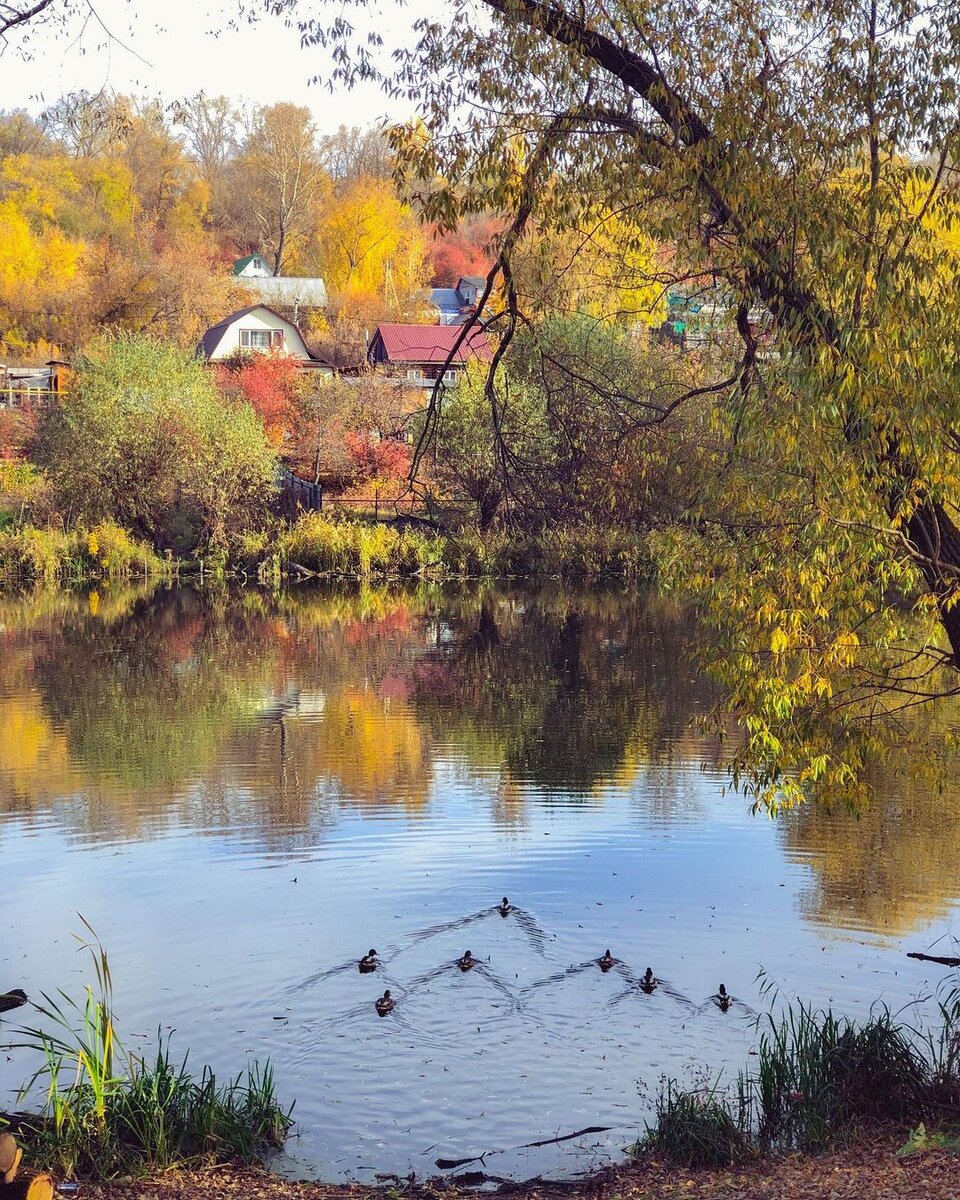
{"points": [[786, 443], [109, 1112], [820, 1080]]}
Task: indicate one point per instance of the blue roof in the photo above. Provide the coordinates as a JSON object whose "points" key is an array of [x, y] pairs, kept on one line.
{"points": [[446, 299]]}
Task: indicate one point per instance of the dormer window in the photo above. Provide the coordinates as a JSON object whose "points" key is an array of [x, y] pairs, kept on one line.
{"points": [[261, 339]]}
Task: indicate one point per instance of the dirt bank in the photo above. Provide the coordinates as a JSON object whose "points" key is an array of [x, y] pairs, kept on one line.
{"points": [[869, 1170]]}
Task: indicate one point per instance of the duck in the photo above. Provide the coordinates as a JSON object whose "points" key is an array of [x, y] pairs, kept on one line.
{"points": [[385, 1004], [606, 960], [722, 999], [15, 998], [368, 963], [649, 981], [504, 907], [467, 961]]}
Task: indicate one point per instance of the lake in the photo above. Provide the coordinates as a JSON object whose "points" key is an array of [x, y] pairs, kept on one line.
{"points": [[243, 793]]}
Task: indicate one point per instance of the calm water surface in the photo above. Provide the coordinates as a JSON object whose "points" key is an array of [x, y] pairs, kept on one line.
{"points": [[243, 794]]}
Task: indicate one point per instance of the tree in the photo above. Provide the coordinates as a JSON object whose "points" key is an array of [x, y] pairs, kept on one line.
{"points": [[16, 19], [353, 152], [814, 185], [285, 178], [145, 438], [466, 250], [21, 134], [270, 384], [371, 247], [86, 124], [211, 132], [470, 452], [349, 430], [800, 162], [563, 438]]}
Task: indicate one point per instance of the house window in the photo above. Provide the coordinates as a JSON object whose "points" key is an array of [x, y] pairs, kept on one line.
{"points": [[261, 339]]}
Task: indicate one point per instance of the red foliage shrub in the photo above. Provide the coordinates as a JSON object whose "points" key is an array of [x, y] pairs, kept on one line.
{"points": [[378, 458], [268, 382]]}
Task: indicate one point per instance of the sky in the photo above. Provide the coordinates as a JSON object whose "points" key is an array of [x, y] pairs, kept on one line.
{"points": [[176, 48]]}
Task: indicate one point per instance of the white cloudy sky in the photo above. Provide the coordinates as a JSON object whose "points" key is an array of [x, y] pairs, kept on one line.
{"points": [[177, 48]]}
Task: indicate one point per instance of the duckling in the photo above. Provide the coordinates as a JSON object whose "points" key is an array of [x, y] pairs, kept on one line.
{"points": [[722, 999], [649, 981], [466, 962], [385, 1004], [12, 999], [503, 908], [368, 963], [606, 961]]}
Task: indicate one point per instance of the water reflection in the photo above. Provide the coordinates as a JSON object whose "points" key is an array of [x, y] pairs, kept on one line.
{"points": [[244, 792], [127, 710], [143, 704]]}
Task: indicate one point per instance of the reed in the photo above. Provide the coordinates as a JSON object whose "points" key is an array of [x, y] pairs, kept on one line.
{"points": [[107, 1113], [820, 1079]]}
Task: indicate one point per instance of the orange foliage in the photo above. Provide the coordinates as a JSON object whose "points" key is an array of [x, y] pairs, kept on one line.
{"points": [[378, 458], [464, 251], [269, 384]]}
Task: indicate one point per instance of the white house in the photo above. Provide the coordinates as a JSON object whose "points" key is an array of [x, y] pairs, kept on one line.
{"points": [[261, 329], [252, 266]]}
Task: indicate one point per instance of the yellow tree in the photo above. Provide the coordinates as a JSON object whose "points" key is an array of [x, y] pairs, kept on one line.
{"points": [[371, 247]]}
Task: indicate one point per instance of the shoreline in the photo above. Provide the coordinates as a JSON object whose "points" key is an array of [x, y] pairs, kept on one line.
{"points": [[867, 1168]]}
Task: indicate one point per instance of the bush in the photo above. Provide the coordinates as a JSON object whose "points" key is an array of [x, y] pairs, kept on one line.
{"points": [[696, 1128], [33, 555], [146, 439], [820, 1080]]}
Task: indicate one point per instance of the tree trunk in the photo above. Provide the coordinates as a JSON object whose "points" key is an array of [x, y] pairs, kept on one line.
{"points": [[489, 504], [935, 540]]}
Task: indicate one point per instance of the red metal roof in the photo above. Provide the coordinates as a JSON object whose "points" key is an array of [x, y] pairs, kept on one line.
{"points": [[431, 343]]}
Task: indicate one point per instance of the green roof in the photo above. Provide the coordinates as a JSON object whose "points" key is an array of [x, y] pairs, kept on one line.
{"points": [[241, 263]]}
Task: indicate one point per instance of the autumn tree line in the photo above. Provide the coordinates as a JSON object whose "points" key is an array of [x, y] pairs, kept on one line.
{"points": [[120, 219], [122, 213]]}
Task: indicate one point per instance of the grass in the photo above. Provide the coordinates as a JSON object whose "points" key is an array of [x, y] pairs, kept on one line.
{"points": [[35, 554], [820, 1080], [109, 1113], [698, 1128], [354, 548]]}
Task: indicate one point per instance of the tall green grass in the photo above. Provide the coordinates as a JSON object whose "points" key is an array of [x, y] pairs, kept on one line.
{"points": [[108, 1113], [819, 1080]]}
